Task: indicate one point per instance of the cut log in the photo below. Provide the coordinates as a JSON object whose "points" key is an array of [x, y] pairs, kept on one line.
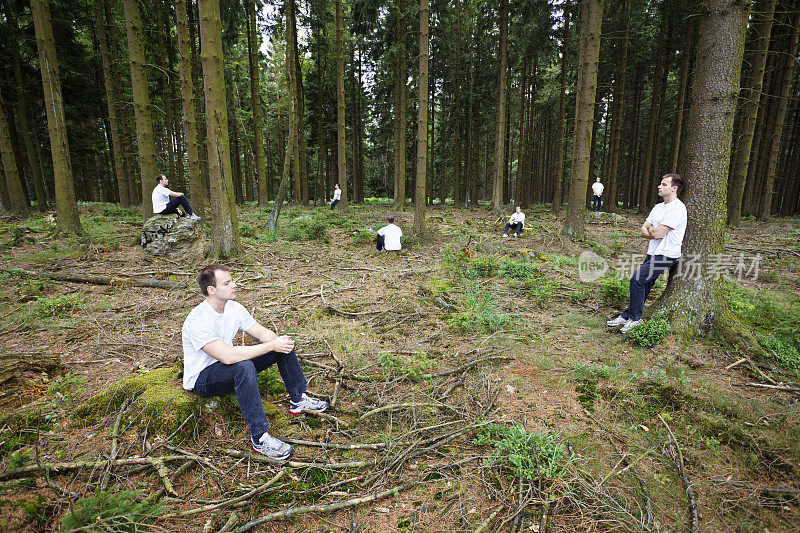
{"points": [[12, 364], [97, 280]]}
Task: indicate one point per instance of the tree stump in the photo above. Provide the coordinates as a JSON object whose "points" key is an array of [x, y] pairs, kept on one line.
{"points": [[12, 364], [172, 236]]}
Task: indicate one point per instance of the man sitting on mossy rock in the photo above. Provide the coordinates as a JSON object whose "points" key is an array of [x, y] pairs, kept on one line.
{"points": [[212, 366]]}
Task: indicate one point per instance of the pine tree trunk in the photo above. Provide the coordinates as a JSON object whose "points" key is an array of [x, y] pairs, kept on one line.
{"points": [[500, 112], [591, 18], [166, 100], [141, 104], [420, 199], [682, 89], [696, 301], [199, 103], [224, 223], [786, 66], [400, 93], [340, 118], [558, 175], [16, 197], [255, 96], [618, 108], [67, 220]]}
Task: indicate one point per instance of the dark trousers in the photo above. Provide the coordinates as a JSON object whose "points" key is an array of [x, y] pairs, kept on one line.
{"points": [[516, 226], [643, 280], [380, 241], [174, 203], [596, 203], [242, 378], [333, 204]]}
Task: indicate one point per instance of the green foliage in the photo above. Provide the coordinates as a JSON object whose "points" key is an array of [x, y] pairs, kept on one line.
{"points": [[18, 459], [113, 510], [362, 236], [305, 229], [531, 454], [614, 291], [596, 370], [481, 314], [649, 332], [482, 267], [517, 270], [564, 260], [67, 387], [56, 306], [269, 381], [540, 290], [246, 230], [396, 366], [787, 354]]}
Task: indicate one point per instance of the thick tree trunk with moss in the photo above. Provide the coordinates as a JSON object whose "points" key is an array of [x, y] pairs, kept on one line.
{"points": [[500, 118], [695, 302], [225, 240], [67, 220], [255, 96], [187, 97], [340, 119], [145, 139], [420, 197], [16, 197], [591, 18], [400, 91]]}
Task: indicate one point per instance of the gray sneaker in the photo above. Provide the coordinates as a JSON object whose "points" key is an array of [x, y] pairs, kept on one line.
{"points": [[272, 447], [629, 325], [619, 321], [307, 403]]}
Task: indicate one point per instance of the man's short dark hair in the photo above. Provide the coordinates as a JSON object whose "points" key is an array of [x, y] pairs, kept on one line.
{"points": [[676, 180], [390, 219], [208, 276], [159, 178]]}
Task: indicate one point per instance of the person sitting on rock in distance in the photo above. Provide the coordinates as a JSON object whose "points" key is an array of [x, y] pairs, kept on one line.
{"points": [[166, 202], [515, 222], [213, 366]]}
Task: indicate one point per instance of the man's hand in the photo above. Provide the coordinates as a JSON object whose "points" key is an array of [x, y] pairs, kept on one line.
{"points": [[282, 344], [645, 230]]}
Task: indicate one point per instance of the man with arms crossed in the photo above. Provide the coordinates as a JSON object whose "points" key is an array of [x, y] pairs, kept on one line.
{"points": [[166, 202], [664, 228], [212, 366]]}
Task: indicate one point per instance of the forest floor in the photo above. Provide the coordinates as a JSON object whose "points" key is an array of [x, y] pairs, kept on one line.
{"points": [[478, 368]]}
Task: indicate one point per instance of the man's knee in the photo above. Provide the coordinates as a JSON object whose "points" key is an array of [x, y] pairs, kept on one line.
{"points": [[244, 370]]}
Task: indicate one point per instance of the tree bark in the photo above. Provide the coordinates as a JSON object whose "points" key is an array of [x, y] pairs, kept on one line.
{"points": [[618, 109], [682, 89], [255, 96], [500, 111], [696, 302], [67, 220], [558, 175], [224, 223], [400, 92], [340, 118], [591, 18], [17, 203], [420, 198]]}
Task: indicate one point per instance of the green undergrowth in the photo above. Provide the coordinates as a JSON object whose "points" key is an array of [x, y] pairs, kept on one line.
{"points": [[112, 510], [411, 368], [529, 454], [481, 314], [649, 332]]}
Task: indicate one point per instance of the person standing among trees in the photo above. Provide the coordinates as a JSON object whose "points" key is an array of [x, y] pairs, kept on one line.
{"points": [[664, 227], [166, 202], [212, 366], [597, 189], [337, 195], [515, 222]]}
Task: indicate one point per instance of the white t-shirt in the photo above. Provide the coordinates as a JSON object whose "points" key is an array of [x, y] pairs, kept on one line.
{"points": [[673, 215], [337, 194], [204, 325], [517, 217], [598, 187], [392, 235], [160, 198]]}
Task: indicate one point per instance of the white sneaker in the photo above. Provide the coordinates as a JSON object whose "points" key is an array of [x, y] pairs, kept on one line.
{"points": [[619, 321], [193, 217], [516, 235], [629, 325], [307, 403], [272, 447], [505, 235]]}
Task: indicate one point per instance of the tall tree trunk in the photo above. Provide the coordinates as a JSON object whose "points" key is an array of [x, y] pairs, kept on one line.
{"points": [[164, 65], [500, 111], [682, 89], [187, 98], [785, 66], [340, 118], [67, 220], [255, 97], [696, 302], [400, 93], [22, 113], [458, 167], [236, 149], [618, 108], [558, 175], [141, 104], [17, 203], [591, 18], [422, 120], [224, 223], [199, 103]]}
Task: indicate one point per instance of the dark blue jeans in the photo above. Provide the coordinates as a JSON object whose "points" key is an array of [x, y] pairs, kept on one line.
{"points": [[516, 226], [241, 378], [643, 280], [333, 204], [174, 203], [596, 203]]}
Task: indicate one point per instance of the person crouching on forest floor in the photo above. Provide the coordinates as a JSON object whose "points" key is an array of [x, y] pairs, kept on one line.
{"points": [[664, 228], [515, 222], [166, 202], [388, 237], [213, 366], [337, 196]]}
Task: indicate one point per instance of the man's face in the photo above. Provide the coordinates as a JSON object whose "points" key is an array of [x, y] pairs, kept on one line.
{"points": [[225, 288], [164, 181], [597, 180], [519, 209], [665, 187]]}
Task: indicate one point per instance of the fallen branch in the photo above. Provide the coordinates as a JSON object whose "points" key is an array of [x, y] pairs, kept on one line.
{"points": [[774, 387], [396, 406], [332, 446], [287, 513], [115, 431], [97, 280], [163, 473], [296, 464], [751, 486], [693, 510], [28, 470]]}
